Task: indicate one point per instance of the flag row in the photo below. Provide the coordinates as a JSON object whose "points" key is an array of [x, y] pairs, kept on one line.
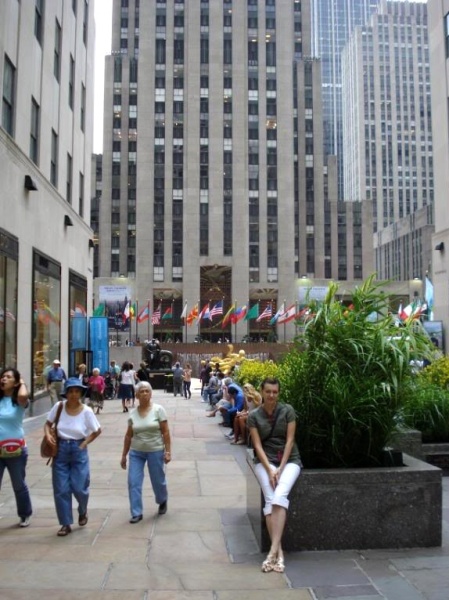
{"points": [[233, 315]]}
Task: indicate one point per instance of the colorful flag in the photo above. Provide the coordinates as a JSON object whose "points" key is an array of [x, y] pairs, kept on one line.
{"points": [[278, 314], [266, 314], [184, 311], [144, 314], [204, 313], [99, 310], [253, 313], [126, 312], [168, 314], [10, 315], [216, 310], [193, 314], [227, 316], [133, 310], [156, 318], [239, 314], [288, 315]]}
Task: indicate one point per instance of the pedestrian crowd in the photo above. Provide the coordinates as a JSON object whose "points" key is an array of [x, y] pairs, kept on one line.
{"points": [[255, 419]]}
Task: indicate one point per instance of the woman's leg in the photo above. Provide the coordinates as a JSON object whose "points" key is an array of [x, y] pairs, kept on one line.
{"points": [[280, 504], [189, 393], [135, 481], [242, 423], [236, 428], [62, 491], [156, 469], [16, 468], [80, 477]]}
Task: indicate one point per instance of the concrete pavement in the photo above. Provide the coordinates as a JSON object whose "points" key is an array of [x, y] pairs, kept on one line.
{"points": [[202, 549]]}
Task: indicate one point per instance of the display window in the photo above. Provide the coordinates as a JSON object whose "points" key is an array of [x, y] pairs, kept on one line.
{"points": [[9, 261], [46, 318]]}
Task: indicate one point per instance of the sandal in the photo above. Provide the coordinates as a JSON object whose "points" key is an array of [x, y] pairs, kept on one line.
{"points": [[65, 530], [82, 520], [268, 564], [279, 566]]}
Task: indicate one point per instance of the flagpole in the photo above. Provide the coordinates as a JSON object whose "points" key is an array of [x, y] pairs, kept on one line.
{"points": [[199, 320], [285, 304], [172, 330], [135, 316], [148, 306], [222, 329], [185, 324], [235, 326]]}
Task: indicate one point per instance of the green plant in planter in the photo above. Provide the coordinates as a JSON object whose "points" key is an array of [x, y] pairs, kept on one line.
{"points": [[346, 378], [426, 408]]}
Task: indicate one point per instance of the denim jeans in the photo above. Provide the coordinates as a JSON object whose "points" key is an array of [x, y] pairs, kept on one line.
{"points": [[70, 475], [16, 467], [186, 389], [156, 469]]}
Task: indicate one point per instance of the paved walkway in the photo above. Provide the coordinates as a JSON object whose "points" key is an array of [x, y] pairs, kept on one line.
{"points": [[202, 549]]}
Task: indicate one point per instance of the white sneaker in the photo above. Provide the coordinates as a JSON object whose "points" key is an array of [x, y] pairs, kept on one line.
{"points": [[229, 435], [24, 521]]}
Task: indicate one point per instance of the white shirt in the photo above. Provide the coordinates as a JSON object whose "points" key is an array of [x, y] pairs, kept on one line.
{"points": [[74, 427]]}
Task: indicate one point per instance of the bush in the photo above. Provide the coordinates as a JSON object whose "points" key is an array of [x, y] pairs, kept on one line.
{"points": [[348, 383], [426, 408], [437, 373], [254, 372]]}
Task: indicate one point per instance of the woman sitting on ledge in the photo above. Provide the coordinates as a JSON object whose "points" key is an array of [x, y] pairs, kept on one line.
{"points": [[272, 428]]}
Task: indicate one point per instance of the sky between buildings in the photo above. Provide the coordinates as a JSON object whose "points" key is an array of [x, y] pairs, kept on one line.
{"points": [[103, 28]]}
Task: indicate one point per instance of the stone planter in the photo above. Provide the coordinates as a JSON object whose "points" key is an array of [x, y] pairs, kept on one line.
{"points": [[335, 509], [437, 455]]}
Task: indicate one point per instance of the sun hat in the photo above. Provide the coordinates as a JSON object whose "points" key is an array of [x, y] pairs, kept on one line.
{"points": [[56, 361], [73, 382]]}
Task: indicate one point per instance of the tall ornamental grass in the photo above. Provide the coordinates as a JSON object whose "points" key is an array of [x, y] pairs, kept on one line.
{"points": [[347, 378]]}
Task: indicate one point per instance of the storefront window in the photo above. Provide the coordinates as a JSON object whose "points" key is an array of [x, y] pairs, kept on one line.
{"points": [[46, 318], [9, 254], [78, 321]]}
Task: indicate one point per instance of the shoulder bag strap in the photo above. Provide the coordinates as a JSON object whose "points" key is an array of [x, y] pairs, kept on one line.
{"points": [[276, 415], [58, 414]]}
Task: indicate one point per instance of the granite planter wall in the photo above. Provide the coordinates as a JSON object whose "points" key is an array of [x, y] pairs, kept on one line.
{"points": [[335, 509]]}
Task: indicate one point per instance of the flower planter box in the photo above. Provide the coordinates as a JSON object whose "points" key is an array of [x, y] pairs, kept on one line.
{"points": [[335, 509]]}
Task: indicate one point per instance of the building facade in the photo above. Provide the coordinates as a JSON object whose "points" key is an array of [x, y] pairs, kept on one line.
{"points": [[214, 183], [439, 66], [333, 22], [46, 71], [387, 134]]}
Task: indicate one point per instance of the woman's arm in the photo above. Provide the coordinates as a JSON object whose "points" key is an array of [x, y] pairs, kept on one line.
{"points": [[126, 445], [90, 438], [22, 394], [260, 452], [167, 441], [290, 440]]}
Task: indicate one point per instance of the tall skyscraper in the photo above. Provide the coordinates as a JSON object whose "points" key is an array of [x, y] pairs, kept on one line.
{"points": [[439, 67], [388, 134], [46, 78], [214, 186], [333, 21]]}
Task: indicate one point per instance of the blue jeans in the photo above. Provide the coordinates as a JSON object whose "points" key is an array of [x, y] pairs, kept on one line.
{"points": [[70, 475], [156, 469], [16, 467]]}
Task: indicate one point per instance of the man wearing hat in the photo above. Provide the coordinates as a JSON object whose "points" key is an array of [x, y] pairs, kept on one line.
{"points": [[55, 381]]}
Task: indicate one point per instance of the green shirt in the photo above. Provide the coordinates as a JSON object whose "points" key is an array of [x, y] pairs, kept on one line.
{"points": [[274, 444], [147, 435]]}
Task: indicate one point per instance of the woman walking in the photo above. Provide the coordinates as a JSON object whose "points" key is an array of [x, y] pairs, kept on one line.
{"points": [[147, 441], [272, 427], [127, 380], [77, 427], [13, 450], [187, 381], [96, 391]]}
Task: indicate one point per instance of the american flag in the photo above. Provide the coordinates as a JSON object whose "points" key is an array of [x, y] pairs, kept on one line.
{"points": [[216, 310], [156, 316], [266, 313]]}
